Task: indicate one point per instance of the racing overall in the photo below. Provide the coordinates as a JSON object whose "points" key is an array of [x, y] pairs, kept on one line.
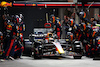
{"points": [[19, 41], [9, 41], [58, 30]]}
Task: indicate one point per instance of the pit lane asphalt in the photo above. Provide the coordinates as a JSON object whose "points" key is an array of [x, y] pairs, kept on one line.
{"points": [[66, 61]]}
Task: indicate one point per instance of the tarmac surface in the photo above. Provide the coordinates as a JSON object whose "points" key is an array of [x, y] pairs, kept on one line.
{"points": [[67, 61]]}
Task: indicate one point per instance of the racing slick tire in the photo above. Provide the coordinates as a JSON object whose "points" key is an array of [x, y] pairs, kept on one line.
{"points": [[38, 54]]}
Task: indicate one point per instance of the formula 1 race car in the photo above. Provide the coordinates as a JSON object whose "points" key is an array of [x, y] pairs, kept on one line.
{"points": [[48, 45]]}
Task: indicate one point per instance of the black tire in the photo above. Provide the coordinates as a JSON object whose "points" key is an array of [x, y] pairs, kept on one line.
{"points": [[36, 57], [77, 57], [39, 55]]}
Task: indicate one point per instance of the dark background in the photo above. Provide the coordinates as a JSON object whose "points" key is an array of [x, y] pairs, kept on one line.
{"points": [[33, 17]]}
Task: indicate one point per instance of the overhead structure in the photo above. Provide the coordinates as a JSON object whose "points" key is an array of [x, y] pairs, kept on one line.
{"points": [[88, 0], [50, 4]]}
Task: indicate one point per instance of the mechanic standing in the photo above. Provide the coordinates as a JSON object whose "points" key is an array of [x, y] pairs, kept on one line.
{"points": [[10, 34], [19, 41], [56, 26]]}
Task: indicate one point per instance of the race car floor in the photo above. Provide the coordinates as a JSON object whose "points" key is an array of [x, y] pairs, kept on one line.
{"points": [[67, 61]]}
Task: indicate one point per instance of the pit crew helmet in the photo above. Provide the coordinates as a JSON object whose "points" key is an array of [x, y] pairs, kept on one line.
{"points": [[82, 14], [71, 22]]}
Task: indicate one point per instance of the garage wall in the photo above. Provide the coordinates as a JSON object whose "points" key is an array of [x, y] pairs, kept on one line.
{"points": [[33, 17]]}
